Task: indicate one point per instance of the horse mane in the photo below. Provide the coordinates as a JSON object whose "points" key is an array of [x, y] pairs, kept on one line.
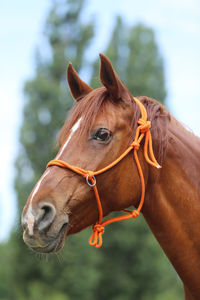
{"points": [[95, 102]]}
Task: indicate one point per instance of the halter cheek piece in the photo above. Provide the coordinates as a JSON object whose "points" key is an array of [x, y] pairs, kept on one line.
{"points": [[143, 129]]}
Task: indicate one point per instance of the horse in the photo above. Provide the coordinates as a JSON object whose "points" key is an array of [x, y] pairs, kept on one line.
{"points": [[138, 155]]}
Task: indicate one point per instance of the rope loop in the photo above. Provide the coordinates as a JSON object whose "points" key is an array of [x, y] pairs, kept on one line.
{"points": [[135, 145], [96, 237], [144, 125]]}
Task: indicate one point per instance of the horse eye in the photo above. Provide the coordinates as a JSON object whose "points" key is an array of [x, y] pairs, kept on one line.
{"points": [[102, 134]]}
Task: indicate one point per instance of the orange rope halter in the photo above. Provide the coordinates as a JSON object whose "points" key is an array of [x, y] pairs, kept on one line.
{"points": [[142, 130]]}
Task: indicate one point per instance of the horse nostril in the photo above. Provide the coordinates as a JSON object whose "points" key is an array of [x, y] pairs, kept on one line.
{"points": [[46, 216]]}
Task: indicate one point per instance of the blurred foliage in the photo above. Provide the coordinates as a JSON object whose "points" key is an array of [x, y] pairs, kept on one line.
{"points": [[130, 264], [136, 58]]}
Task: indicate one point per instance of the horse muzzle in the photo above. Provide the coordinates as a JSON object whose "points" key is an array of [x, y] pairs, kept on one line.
{"points": [[42, 231]]}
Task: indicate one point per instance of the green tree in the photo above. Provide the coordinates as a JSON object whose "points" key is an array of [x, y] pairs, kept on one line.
{"points": [[136, 58], [45, 109]]}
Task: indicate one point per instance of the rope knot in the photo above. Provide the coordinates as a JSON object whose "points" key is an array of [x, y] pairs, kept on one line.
{"points": [[96, 237], [135, 145], [144, 125], [89, 175], [98, 228], [134, 214]]}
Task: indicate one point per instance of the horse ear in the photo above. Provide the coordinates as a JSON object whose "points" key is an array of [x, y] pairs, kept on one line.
{"points": [[110, 79], [77, 86]]}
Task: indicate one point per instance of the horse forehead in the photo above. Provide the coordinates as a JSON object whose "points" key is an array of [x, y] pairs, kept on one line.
{"points": [[111, 116]]}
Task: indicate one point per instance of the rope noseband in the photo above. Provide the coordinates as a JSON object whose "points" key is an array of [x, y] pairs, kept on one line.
{"points": [[143, 129]]}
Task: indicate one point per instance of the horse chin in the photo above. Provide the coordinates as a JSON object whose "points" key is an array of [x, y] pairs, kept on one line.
{"points": [[55, 245]]}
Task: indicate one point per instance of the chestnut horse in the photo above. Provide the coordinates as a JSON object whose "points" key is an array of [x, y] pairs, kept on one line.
{"points": [[100, 128]]}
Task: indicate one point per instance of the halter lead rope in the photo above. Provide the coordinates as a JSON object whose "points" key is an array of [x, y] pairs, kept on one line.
{"points": [[142, 130]]}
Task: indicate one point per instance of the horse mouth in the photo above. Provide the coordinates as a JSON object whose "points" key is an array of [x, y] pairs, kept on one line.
{"points": [[55, 244]]}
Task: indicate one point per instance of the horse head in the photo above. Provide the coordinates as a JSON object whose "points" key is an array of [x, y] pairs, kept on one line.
{"points": [[99, 129]]}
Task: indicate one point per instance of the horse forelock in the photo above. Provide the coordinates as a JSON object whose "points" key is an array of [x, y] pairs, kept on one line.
{"points": [[87, 108]]}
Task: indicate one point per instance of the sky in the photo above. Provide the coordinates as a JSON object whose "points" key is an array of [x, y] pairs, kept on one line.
{"points": [[177, 28]]}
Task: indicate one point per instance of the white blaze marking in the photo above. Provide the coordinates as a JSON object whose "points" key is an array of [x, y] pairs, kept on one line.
{"points": [[74, 128], [29, 215], [30, 223], [38, 185]]}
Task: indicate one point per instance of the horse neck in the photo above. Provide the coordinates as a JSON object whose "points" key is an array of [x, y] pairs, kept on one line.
{"points": [[172, 205]]}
